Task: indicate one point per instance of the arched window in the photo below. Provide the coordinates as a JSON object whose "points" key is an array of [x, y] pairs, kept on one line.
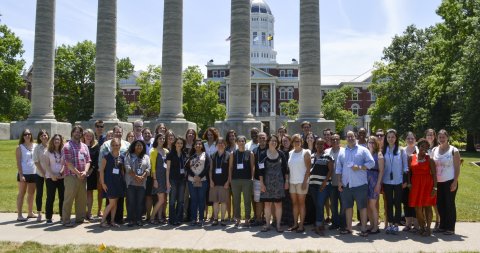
{"points": [[290, 93], [283, 93], [355, 94], [355, 109]]}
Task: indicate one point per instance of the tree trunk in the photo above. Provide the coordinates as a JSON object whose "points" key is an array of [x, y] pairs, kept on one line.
{"points": [[470, 142]]}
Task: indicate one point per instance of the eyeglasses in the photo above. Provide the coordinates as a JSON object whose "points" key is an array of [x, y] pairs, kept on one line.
{"points": [[380, 135], [371, 142], [99, 126], [27, 134]]}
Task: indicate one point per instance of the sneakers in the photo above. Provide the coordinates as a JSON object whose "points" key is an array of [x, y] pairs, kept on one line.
{"points": [[392, 230], [389, 230], [395, 230], [49, 221]]}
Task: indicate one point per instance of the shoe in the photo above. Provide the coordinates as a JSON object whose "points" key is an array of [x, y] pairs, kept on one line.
{"points": [[114, 225], [300, 230], [407, 228], [294, 228], [193, 224], [21, 219], [345, 232], [39, 218], [333, 227], [104, 224], [372, 232], [215, 223], [131, 224], [328, 220], [223, 223], [319, 230], [201, 223], [364, 234], [389, 230], [395, 230], [49, 221], [237, 223], [140, 224], [265, 228], [449, 232], [31, 216]]}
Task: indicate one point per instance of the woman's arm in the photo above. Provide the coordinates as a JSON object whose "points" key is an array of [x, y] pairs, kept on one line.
{"points": [[308, 165], [381, 169], [252, 164], [18, 155], [102, 174], [456, 167]]}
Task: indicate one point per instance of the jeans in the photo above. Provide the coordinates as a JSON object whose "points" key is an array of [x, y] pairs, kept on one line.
{"points": [[39, 182], [393, 194], [198, 196], [338, 218], [319, 198], [446, 205], [239, 186], [52, 187], [175, 204], [135, 203]]}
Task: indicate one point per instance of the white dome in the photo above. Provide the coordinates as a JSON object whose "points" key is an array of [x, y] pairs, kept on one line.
{"points": [[260, 6]]}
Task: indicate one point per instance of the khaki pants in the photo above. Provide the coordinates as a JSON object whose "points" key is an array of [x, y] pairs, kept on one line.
{"points": [[75, 190]]}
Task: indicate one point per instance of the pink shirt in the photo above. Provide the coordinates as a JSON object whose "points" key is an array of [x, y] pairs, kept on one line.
{"points": [[76, 154]]}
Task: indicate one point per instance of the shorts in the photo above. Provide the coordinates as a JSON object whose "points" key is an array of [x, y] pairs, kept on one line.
{"points": [[218, 194], [29, 178], [357, 194], [256, 190], [297, 188]]}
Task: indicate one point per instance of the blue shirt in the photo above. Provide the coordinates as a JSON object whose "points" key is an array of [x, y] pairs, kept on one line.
{"points": [[348, 157], [395, 166]]}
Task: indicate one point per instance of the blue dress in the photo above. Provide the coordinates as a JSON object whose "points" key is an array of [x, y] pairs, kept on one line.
{"points": [[114, 177]]}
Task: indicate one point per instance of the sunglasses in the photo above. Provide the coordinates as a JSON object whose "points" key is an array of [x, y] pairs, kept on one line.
{"points": [[380, 135], [27, 134], [99, 126]]}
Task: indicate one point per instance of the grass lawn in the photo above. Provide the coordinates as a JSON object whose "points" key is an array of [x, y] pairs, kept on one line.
{"points": [[468, 199]]}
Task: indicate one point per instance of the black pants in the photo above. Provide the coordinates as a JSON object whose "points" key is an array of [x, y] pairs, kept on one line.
{"points": [[52, 187], [394, 199], [446, 205], [407, 210], [136, 203], [39, 182]]}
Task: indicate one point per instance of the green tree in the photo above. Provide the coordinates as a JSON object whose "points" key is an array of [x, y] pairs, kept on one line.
{"points": [[290, 109], [75, 82], [12, 105], [333, 108], [200, 100], [124, 69], [150, 92]]}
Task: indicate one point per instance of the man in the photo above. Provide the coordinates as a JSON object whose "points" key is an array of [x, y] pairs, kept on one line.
{"points": [[351, 167], [251, 145], [99, 126], [147, 138], [260, 153], [338, 218], [362, 137], [77, 161], [327, 135], [306, 128], [137, 130], [104, 150]]}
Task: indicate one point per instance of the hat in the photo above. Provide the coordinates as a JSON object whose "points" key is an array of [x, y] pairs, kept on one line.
{"points": [[306, 123]]}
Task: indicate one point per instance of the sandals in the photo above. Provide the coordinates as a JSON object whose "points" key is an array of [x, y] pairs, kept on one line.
{"points": [[294, 228], [364, 234], [215, 223], [300, 230], [104, 224], [374, 232], [345, 232], [279, 230], [223, 223], [407, 228], [22, 219], [114, 225], [449, 232], [265, 228]]}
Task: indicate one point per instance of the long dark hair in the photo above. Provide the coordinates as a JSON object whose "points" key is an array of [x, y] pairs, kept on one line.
{"points": [[435, 141], [40, 133], [131, 148], [51, 145], [227, 138], [155, 141], [385, 142], [192, 150]]}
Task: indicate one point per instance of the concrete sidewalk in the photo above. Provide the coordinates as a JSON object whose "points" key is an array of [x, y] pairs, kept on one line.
{"points": [[243, 239]]}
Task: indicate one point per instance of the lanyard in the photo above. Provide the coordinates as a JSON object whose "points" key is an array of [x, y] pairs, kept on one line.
{"points": [[390, 154], [243, 156], [217, 162]]}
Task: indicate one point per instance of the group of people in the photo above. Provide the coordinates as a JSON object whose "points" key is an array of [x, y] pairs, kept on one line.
{"points": [[288, 180]]}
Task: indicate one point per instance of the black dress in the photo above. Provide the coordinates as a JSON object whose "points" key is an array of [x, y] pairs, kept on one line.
{"points": [[92, 180], [114, 177], [274, 179]]}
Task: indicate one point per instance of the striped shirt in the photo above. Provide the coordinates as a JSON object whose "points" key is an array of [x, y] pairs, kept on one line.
{"points": [[77, 154], [319, 170]]}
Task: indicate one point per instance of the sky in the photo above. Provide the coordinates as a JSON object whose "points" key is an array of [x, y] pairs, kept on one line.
{"points": [[353, 33]]}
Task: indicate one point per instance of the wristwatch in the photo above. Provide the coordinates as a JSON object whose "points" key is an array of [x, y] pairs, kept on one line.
{"points": [[435, 188]]}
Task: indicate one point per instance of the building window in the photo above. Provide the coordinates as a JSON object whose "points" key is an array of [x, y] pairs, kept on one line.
{"points": [[265, 93], [282, 110], [222, 73], [255, 38], [253, 108], [290, 72], [373, 96], [253, 94], [265, 107], [264, 39], [222, 94], [355, 94], [282, 73], [283, 93], [290, 93], [355, 109], [215, 73]]}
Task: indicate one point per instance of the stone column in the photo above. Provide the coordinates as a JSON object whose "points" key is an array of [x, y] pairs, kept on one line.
{"points": [[239, 116], [171, 111], [41, 115], [106, 62], [310, 99]]}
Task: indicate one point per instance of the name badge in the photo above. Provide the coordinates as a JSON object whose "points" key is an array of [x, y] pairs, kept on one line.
{"points": [[58, 167], [139, 172], [165, 165], [182, 171], [81, 157], [240, 166], [116, 171], [261, 166], [350, 165]]}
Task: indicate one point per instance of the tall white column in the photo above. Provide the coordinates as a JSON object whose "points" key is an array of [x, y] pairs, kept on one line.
{"points": [[172, 92], [43, 62], [274, 99], [310, 99], [106, 62], [240, 102], [257, 110]]}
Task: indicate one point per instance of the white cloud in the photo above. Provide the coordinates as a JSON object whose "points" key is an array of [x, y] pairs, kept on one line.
{"points": [[394, 11]]}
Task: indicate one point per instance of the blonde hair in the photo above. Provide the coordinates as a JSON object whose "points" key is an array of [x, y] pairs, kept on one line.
{"points": [[376, 145], [90, 131], [297, 136]]}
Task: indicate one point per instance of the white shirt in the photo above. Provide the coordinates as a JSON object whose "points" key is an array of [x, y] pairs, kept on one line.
{"points": [[296, 163], [210, 150], [28, 165], [251, 146], [444, 163]]}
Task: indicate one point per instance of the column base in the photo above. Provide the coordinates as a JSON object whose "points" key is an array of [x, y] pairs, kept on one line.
{"points": [[318, 125], [179, 127], [52, 127], [241, 127], [108, 125]]}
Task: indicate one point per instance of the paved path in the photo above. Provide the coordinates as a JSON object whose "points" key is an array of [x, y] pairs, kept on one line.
{"points": [[185, 237]]}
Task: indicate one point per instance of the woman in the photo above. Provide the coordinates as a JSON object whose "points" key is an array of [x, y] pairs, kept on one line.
{"points": [[320, 182], [53, 173], [231, 138], [396, 166], [447, 162], [281, 131], [431, 137], [161, 128], [198, 166], [287, 211], [137, 169], [176, 160], [411, 223], [211, 137], [158, 159], [219, 186], [112, 178], [130, 137], [26, 173], [298, 162], [42, 141], [375, 177], [273, 182], [170, 140], [92, 179], [423, 181], [310, 139], [109, 135], [241, 166], [190, 137]]}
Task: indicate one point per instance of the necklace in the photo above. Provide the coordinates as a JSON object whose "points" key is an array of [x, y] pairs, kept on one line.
{"points": [[57, 159]]}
